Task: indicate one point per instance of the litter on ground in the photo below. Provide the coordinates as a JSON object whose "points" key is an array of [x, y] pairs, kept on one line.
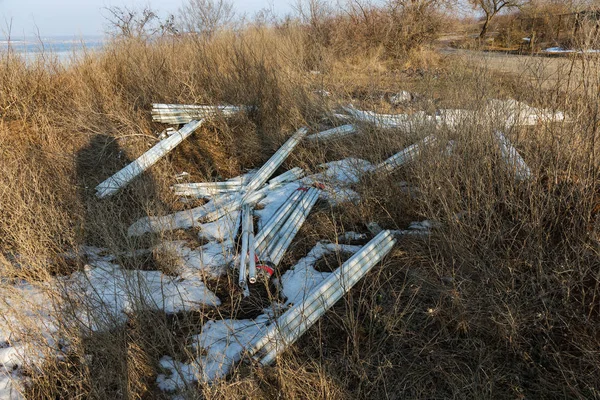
{"points": [[246, 227]]}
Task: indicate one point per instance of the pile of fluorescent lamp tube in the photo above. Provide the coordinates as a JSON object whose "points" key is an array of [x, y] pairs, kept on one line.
{"points": [[182, 114], [298, 319]]}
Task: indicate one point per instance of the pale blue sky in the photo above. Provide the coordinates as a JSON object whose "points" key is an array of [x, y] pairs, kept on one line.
{"points": [[85, 17]]}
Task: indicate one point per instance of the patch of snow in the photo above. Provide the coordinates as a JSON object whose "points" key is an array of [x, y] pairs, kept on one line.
{"points": [[223, 229], [223, 343], [178, 376], [10, 384], [347, 171], [26, 313], [109, 292], [337, 177], [212, 259], [219, 346]]}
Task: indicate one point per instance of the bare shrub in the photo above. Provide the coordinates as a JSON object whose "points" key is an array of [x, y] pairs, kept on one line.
{"points": [[206, 17]]}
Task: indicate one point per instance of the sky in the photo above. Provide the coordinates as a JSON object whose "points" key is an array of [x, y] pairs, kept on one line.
{"points": [[87, 17]]}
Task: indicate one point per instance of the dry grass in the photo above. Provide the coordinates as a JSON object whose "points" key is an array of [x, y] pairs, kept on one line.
{"points": [[501, 302]]}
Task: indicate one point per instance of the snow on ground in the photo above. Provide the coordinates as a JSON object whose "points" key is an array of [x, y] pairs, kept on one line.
{"points": [[217, 348], [108, 292], [102, 294], [211, 259], [10, 377], [337, 177], [26, 313], [223, 229]]}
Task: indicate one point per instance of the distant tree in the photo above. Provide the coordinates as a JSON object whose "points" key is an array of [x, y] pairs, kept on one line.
{"points": [[206, 17], [491, 8], [137, 23]]}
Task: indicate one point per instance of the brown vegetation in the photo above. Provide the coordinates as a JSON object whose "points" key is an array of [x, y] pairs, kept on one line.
{"points": [[501, 302]]}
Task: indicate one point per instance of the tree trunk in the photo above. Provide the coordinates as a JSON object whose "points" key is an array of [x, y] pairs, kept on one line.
{"points": [[484, 28]]}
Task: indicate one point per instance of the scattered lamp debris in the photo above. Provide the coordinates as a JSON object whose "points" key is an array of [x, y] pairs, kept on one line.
{"points": [[281, 206]]}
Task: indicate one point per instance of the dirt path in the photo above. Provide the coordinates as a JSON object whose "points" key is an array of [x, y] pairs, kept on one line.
{"points": [[546, 70]]}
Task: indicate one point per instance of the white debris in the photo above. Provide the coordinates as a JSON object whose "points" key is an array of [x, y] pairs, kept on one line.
{"points": [[265, 172], [182, 114], [269, 205], [338, 132], [277, 244], [182, 175], [401, 97], [402, 121], [145, 161], [512, 157], [322, 93], [289, 176], [351, 236], [210, 189], [294, 322], [560, 50], [517, 113], [511, 112], [405, 156], [425, 225], [299, 281], [180, 220], [205, 190], [453, 118], [221, 344], [166, 133]]}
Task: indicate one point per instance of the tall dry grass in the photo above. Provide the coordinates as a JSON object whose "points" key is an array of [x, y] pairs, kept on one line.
{"points": [[500, 302]]}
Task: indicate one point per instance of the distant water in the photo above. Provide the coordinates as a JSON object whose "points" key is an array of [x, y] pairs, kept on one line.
{"points": [[62, 47]]}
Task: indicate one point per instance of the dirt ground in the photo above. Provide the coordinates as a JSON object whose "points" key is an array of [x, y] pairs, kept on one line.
{"points": [[547, 71]]}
